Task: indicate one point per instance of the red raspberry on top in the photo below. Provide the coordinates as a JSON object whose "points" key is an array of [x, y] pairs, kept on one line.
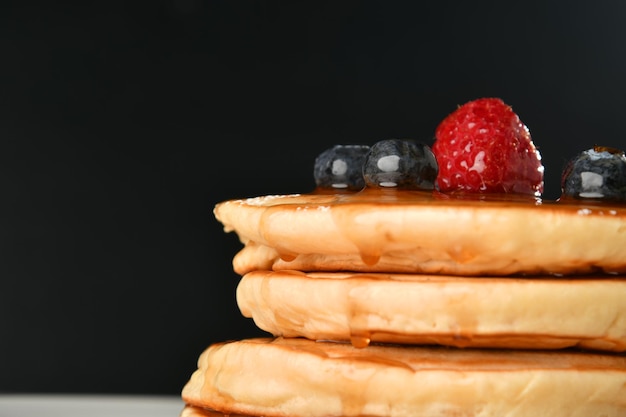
{"points": [[483, 147]]}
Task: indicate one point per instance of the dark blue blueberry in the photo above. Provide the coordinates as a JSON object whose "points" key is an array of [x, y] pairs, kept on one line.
{"points": [[400, 163], [598, 173], [341, 167]]}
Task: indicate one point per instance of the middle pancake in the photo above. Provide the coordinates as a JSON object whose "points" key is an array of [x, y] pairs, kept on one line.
{"points": [[523, 313]]}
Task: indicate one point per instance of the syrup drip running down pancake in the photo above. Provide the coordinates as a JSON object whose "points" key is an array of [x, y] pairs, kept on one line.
{"points": [[546, 313], [378, 230]]}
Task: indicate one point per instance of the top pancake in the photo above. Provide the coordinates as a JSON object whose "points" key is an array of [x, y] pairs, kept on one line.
{"points": [[379, 230]]}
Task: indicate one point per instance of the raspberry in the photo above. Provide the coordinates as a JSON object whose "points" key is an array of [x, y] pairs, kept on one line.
{"points": [[483, 147]]}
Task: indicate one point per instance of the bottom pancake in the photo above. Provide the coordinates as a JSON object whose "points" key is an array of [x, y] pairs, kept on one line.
{"points": [[192, 411], [520, 313], [302, 378]]}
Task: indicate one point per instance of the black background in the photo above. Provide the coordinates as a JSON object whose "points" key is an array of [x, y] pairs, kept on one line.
{"points": [[122, 124]]}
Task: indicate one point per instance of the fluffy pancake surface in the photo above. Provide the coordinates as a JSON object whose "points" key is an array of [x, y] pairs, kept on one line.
{"points": [[403, 231], [535, 313], [299, 377]]}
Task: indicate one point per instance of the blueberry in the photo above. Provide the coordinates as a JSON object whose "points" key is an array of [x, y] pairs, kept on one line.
{"points": [[400, 163], [340, 167], [598, 173]]}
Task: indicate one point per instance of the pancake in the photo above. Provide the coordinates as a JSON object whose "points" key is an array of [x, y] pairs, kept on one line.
{"points": [[494, 312], [395, 231], [192, 411], [302, 378]]}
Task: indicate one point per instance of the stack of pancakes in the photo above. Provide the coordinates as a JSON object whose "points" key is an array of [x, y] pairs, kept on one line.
{"points": [[412, 303]]}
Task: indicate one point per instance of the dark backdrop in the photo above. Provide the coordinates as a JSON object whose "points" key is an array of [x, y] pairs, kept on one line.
{"points": [[123, 123]]}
